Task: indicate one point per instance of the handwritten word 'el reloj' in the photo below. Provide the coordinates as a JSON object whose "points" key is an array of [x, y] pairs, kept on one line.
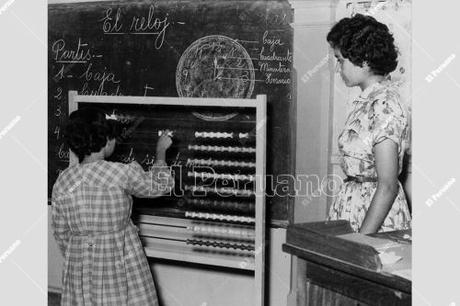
{"points": [[112, 23]]}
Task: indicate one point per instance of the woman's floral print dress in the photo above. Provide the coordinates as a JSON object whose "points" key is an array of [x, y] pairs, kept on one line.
{"points": [[377, 114]]}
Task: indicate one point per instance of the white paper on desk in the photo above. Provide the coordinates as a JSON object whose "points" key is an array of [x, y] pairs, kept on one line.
{"points": [[389, 258], [379, 244], [404, 273]]}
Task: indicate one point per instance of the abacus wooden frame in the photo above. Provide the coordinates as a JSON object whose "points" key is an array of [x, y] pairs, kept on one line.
{"points": [[260, 106]]}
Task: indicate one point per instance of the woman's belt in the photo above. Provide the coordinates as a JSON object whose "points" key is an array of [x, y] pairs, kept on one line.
{"points": [[360, 179]]}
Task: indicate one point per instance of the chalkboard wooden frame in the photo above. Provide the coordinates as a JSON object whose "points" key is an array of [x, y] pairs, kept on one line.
{"points": [[259, 104]]}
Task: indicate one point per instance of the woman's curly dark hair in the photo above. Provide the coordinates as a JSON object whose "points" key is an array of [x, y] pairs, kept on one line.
{"points": [[364, 39], [88, 130]]}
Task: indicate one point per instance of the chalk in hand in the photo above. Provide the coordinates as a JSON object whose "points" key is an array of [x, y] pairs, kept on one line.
{"points": [[170, 133], [111, 117]]}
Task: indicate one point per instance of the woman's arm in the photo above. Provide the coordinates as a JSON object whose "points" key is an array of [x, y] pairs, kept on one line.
{"points": [[408, 181], [386, 161], [408, 189]]}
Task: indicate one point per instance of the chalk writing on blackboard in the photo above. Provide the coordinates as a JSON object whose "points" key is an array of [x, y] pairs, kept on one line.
{"points": [[63, 153], [127, 132], [148, 24], [100, 78], [215, 66], [271, 41], [79, 55]]}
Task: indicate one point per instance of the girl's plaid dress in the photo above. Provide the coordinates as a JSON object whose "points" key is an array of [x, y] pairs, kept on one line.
{"points": [[105, 263]]}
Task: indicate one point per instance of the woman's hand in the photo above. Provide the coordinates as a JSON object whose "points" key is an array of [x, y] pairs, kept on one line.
{"points": [[163, 143]]}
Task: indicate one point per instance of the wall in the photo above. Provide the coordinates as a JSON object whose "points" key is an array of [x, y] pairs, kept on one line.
{"points": [[314, 86], [312, 21]]}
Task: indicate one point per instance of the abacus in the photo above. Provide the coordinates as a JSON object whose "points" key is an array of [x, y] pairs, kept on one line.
{"points": [[216, 215]]}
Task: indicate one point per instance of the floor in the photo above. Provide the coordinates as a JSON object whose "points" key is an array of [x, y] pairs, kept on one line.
{"points": [[54, 299]]}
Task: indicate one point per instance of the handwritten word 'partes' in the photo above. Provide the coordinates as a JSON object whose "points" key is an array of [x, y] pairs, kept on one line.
{"points": [[140, 25], [81, 54]]}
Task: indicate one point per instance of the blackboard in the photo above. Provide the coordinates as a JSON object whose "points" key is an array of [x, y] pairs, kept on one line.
{"points": [[147, 48], [137, 142]]}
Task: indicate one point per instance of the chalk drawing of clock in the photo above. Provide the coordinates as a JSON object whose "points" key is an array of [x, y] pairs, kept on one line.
{"points": [[215, 66]]}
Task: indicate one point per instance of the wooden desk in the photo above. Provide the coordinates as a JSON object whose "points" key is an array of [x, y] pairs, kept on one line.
{"points": [[335, 271]]}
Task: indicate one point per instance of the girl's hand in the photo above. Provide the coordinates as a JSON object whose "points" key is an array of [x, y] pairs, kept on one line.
{"points": [[163, 143]]}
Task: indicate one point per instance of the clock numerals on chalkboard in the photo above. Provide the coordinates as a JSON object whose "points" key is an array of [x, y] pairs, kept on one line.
{"points": [[57, 132], [245, 76], [240, 63], [58, 94], [215, 66]]}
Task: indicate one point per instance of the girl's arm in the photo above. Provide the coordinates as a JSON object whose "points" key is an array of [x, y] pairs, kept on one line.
{"points": [[386, 161], [154, 183], [158, 181], [61, 229]]}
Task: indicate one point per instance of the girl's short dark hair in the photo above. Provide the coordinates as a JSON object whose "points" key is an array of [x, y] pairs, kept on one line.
{"points": [[88, 130], [364, 39]]}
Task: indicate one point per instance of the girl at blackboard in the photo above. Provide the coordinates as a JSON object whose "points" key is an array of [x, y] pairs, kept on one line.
{"points": [[105, 263], [375, 136]]}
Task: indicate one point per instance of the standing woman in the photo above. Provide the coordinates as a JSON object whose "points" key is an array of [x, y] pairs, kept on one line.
{"points": [[375, 136]]}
